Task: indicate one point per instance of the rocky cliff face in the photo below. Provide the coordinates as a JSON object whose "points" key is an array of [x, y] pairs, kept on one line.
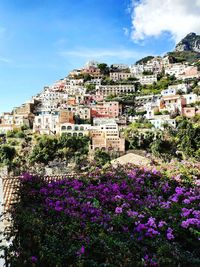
{"points": [[190, 43]]}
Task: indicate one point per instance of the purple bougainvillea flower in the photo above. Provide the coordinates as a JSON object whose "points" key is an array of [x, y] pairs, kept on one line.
{"points": [[118, 210], [189, 222], [170, 235], [161, 224]]}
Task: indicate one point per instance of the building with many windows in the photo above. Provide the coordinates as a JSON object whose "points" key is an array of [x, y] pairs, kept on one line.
{"points": [[106, 90]]}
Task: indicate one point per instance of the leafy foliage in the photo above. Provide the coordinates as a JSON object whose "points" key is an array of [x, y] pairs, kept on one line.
{"points": [[101, 157], [144, 60], [183, 56], [49, 148], [7, 153]]}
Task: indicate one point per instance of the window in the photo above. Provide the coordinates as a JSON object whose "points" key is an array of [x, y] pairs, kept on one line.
{"points": [[63, 128]]}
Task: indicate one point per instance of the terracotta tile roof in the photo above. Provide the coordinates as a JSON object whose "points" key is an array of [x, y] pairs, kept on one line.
{"points": [[171, 97], [10, 185]]}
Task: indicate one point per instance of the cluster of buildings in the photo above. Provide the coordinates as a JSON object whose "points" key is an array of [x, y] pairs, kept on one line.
{"points": [[67, 107]]}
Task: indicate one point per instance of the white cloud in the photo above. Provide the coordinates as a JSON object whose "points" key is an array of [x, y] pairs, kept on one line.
{"points": [[153, 17]]}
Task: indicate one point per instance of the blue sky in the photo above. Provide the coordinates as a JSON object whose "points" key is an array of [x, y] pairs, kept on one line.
{"points": [[42, 40]]}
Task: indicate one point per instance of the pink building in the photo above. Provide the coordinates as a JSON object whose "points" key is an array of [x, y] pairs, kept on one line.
{"points": [[107, 137], [98, 98], [110, 109], [189, 72], [190, 112], [91, 70]]}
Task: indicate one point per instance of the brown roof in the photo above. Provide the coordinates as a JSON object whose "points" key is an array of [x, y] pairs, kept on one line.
{"points": [[171, 97], [10, 185]]}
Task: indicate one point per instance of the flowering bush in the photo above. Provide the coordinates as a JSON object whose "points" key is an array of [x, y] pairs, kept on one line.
{"points": [[186, 172], [122, 216]]}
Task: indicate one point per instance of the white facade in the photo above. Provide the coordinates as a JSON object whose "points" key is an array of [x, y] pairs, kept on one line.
{"points": [[91, 63], [102, 121], [120, 66], [114, 89], [70, 129], [150, 107], [73, 82], [148, 79], [142, 100], [136, 69], [175, 69], [173, 89], [76, 90], [10, 121], [46, 123], [190, 98], [49, 100], [116, 76], [95, 81], [160, 120]]}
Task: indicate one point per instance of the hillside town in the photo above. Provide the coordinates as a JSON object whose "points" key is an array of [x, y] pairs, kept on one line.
{"points": [[100, 101]]}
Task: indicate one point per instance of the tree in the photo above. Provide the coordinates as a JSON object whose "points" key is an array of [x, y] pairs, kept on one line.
{"points": [[188, 137], [73, 147], [101, 157], [90, 88], [87, 77], [7, 153], [147, 72], [45, 150], [196, 90], [104, 69]]}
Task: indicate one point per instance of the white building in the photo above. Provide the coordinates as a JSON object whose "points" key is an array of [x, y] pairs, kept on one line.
{"points": [[46, 123], [148, 79], [137, 69], [76, 90], [9, 121], [160, 120], [114, 89], [190, 98], [120, 66], [150, 110], [102, 121], [173, 89], [142, 100], [91, 63], [116, 76], [70, 129], [175, 69], [95, 81], [49, 100]]}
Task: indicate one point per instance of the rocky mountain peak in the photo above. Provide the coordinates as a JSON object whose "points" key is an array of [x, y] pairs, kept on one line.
{"points": [[189, 43]]}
